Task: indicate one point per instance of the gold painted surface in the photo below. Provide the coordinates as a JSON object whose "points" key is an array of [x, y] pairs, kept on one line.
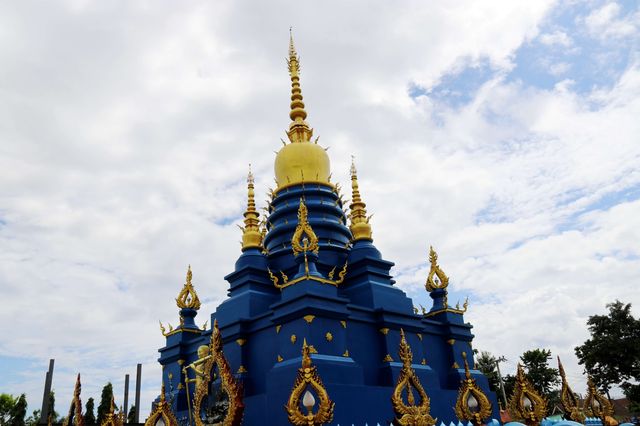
{"points": [[228, 383], [241, 369], [188, 298], [451, 341], [343, 324], [455, 365], [113, 419], [293, 338], [163, 411], [346, 353], [469, 388], [241, 342], [309, 318], [568, 399], [384, 331], [409, 413], [278, 327], [306, 378], [359, 226], [75, 409], [304, 233], [424, 361], [596, 404], [387, 358], [523, 391], [251, 232], [419, 336], [300, 161], [436, 278], [328, 336], [279, 358]]}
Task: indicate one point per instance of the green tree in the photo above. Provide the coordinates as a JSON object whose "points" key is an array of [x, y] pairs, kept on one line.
{"points": [[612, 355], [6, 405], [89, 416], [105, 402], [19, 411], [542, 377], [131, 417], [486, 363], [34, 418], [52, 407], [509, 384]]}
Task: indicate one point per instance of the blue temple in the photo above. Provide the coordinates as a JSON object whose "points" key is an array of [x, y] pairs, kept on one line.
{"points": [[340, 297]]}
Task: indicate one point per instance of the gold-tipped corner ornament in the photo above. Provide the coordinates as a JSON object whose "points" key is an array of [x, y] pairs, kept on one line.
{"points": [[597, 405], [188, 298], [526, 403], [228, 383], [113, 419], [569, 400], [409, 413], [472, 404], [436, 278], [75, 410], [162, 412], [308, 377]]}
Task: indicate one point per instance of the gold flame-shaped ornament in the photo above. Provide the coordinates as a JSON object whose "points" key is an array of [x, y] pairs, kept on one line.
{"points": [[472, 404], [113, 419], [597, 405], [162, 411], [308, 380], [75, 409], [526, 403], [410, 413], [228, 383], [437, 278], [569, 400], [304, 239], [188, 298]]}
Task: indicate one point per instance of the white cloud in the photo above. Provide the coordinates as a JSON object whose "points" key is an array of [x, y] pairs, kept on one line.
{"points": [[605, 22], [559, 38]]}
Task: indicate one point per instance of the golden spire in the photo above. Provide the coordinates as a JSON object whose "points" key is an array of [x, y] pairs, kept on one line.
{"points": [[441, 281], [188, 298], [568, 399], [251, 235], [299, 130], [360, 227]]}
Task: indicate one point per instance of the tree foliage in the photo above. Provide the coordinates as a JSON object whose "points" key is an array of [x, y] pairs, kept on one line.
{"points": [[486, 363], [89, 416], [6, 405], [612, 355], [105, 402], [542, 377], [19, 411], [131, 417]]}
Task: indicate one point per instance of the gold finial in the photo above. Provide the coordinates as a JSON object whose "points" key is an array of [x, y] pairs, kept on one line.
{"points": [[441, 281], [251, 233], [526, 403], [597, 405], [360, 227], [299, 130], [304, 239], [569, 401], [472, 403], [188, 298], [75, 409]]}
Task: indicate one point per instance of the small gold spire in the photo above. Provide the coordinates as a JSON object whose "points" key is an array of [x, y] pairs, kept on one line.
{"points": [[188, 298], [251, 234], [360, 227], [441, 281], [299, 130]]}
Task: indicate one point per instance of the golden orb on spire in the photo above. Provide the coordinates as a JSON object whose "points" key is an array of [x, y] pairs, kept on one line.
{"points": [[300, 161]]}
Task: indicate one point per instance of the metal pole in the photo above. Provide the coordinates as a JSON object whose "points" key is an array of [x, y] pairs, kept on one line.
{"points": [[504, 395], [138, 379], [44, 412], [126, 397]]}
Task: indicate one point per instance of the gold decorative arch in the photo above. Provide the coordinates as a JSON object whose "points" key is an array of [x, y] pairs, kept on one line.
{"points": [[113, 419], [298, 244], [568, 399], [433, 283], [228, 383], [162, 411], [526, 404], [188, 298], [597, 405], [469, 389], [75, 410], [308, 377], [410, 414]]}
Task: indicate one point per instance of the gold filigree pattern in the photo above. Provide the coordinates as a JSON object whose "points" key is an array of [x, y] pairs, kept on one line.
{"points": [[188, 298], [525, 403], [162, 410], [436, 278], [75, 409], [472, 403], [410, 413], [308, 377], [569, 400], [228, 383], [596, 404], [304, 239]]}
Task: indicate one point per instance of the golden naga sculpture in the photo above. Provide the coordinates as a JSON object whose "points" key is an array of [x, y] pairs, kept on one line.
{"points": [[113, 419], [188, 298], [437, 278], [360, 227], [228, 383], [472, 404], [410, 413], [75, 410], [308, 377], [597, 405], [569, 400], [251, 232], [162, 412], [525, 403]]}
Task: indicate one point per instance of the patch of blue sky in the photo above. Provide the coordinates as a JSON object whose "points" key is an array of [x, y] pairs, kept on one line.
{"points": [[225, 221], [11, 372]]}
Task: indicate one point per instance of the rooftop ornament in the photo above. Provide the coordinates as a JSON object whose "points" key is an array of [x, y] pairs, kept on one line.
{"points": [[526, 403], [75, 410], [597, 405], [569, 400], [113, 419], [188, 298], [161, 414], [472, 404]]}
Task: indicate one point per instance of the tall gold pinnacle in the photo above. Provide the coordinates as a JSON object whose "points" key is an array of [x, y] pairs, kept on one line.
{"points": [[299, 130], [251, 235], [360, 227], [188, 298]]}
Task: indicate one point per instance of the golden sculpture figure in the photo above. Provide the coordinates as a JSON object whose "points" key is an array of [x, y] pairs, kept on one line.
{"points": [[525, 403], [228, 383], [569, 400], [472, 404], [308, 378], [597, 405], [162, 411], [75, 410], [410, 413]]}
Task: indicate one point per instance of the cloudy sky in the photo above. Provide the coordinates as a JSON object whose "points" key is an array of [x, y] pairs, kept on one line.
{"points": [[504, 133]]}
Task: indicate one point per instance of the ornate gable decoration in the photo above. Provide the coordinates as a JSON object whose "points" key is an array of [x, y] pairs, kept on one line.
{"points": [[596, 404], [472, 403], [188, 298], [526, 403], [437, 278], [162, 411], [409, 413], [113, 419], [304, 239], [569, 400], [75, 410]]}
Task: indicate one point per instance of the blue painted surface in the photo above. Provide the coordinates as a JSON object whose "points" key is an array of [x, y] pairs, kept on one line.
{"points": [[359, 382]]}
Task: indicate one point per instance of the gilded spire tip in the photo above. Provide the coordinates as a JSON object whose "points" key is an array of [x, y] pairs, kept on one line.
{"points": [[251, 235], [360, 227], [299, 130], [188, 298]]}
